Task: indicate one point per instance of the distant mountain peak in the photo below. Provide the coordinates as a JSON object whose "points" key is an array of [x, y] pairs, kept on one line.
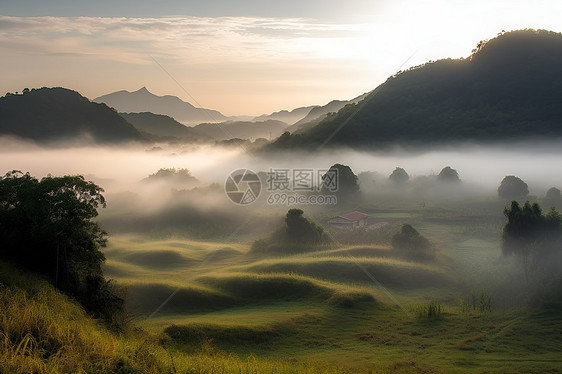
{"points": [[143, 90], [143, 100]]}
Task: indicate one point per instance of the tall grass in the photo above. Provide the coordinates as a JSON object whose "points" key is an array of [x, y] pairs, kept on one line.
{"points": [[480, 302], [43, 331], [432, 310]]}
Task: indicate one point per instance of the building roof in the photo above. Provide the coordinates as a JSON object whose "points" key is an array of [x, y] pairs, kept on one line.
{"points": [[354, 216]]}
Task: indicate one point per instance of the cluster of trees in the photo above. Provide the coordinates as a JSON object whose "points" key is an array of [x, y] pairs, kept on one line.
{"points": [[399, 176], [345, 184], [47, 227], [298, 234], [173, 175], [300, 229], [534, 237], [348, 183], [514, 188], [408, 239]]}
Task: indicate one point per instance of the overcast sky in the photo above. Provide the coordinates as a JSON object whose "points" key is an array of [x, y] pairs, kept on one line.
{"points": [[244, 57]]}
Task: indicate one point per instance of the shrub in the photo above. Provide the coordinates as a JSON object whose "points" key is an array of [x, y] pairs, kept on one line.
{"points": [[409, 239], [299, 235]]}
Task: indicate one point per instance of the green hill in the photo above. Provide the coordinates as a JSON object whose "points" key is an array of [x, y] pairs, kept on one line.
{"points": [[510, 88], [51, 114]]}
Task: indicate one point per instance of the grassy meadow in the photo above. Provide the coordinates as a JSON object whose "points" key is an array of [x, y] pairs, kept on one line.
{"points": [[322, 306], [219, 307]]}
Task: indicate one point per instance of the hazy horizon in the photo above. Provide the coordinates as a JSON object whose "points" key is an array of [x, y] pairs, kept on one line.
{"points": [[121, 168]]}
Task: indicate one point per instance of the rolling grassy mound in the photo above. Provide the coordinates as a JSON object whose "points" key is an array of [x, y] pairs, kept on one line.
{"points": [[43, 331], [336, 323], [321, 306], [268, 286], [160, 259], [205, 276], [146, 298], [390, 272]]}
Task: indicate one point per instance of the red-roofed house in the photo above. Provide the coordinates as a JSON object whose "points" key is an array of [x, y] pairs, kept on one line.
{"points": [[349, 220]]}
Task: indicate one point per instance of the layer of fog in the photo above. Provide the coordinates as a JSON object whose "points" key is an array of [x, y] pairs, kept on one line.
{"points": [[165, 208], [121, 168]]}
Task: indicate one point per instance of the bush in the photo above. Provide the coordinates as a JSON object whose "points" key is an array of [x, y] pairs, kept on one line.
{"points": [[299, 235], [409, 239]]}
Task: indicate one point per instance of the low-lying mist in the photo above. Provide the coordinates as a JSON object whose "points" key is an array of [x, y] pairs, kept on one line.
{"points": [[178, 191], [122, 168]]}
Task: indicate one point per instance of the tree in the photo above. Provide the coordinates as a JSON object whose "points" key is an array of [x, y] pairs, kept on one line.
{"points": [[448, 174], [528, 233], [300, 229], [340, 180], [408, 238], [552, 197], [512, 187], [399, 176], [553, 193], [47, 227]]}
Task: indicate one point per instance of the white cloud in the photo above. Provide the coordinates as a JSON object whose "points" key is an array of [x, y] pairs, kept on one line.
{"points": [[197, 39], [243, 65]]}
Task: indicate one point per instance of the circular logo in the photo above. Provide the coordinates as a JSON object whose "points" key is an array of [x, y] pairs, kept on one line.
{"points": [[243, 186]]}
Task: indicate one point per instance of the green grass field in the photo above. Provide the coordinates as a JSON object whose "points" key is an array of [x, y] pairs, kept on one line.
{"points": [[213, 307], [321, 306]]}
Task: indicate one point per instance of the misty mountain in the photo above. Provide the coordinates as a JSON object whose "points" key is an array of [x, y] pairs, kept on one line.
{"points": [[164, 126], [289, 117], [510, 88], [49, 114], [159, 125], [317, 114], [145, 101], [240, 129]]}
